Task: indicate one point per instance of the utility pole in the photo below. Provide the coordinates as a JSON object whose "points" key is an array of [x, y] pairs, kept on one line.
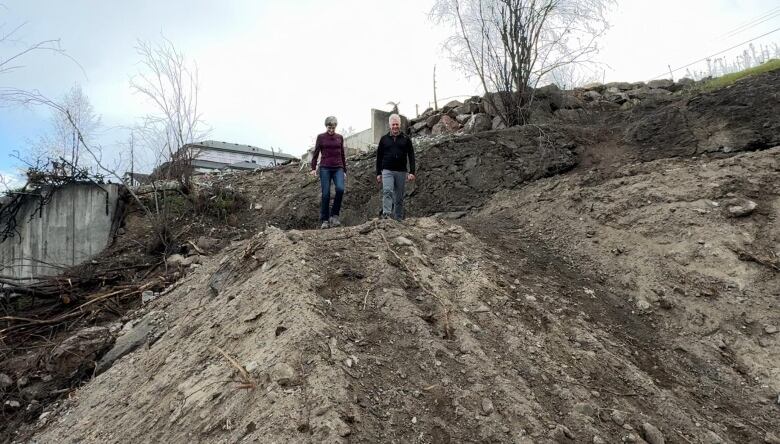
{"points": [[435, 102]]}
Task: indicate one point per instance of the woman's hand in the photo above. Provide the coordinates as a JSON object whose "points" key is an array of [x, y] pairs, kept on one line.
{"points": [[313, 173]]}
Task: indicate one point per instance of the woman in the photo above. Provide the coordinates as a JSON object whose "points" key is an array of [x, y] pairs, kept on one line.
{"points": [[333, 167]]}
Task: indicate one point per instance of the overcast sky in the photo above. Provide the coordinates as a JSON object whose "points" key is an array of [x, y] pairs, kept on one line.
{"points": [[271, 71]]}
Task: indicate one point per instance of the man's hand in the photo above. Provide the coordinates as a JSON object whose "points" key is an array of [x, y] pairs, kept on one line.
{"points": [[313, 173], [379, 179], [410, 176]]}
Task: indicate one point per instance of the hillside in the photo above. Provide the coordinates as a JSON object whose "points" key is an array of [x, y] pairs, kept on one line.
{"points": [[611, 278]]}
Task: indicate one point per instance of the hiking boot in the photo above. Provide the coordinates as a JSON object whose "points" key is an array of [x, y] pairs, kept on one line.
{"points": [[334, 221], [324, 225]]}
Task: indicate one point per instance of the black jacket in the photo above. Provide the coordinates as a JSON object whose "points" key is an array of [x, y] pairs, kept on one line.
{"points": [[392, 153]]}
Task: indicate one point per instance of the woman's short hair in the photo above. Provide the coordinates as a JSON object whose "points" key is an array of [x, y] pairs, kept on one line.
{"points": [[331, 120], [395, 117]]}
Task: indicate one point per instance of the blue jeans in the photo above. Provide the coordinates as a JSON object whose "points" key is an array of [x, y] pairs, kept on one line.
{"points": [[393, 184], [328, 174]]}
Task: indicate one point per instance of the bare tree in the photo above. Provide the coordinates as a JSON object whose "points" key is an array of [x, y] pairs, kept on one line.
{"points": [[511, 44], [170, 83], [61, 141]]}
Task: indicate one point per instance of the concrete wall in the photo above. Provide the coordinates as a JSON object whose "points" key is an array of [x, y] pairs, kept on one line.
{"points": [[73, 227], [360, 141], [380, 126]]}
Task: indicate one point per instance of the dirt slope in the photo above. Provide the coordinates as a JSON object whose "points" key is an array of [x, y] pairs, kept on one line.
{"points": [[633, 298]]}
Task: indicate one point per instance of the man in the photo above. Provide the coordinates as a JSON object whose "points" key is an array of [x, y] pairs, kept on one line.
{"points": [[392, 154]]}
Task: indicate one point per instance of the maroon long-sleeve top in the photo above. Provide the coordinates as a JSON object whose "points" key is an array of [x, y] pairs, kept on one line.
{"points": [[331, 146]]}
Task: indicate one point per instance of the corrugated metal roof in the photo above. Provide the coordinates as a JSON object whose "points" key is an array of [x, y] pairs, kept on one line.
{"points": [[238, 148]]}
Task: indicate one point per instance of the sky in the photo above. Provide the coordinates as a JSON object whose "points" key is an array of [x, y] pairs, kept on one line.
{"points": [[270, 71]]}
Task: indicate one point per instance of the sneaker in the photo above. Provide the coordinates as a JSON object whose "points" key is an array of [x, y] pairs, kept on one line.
{"points": [[324, 225], [334, 221]]}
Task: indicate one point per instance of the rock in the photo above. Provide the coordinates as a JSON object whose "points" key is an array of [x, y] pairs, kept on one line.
{"points": [[561, 433], [547, 90], [481, 309], [662, 83], [618, 417], [446, 125], [294, 236], [452, 104], [402, 241], [570, 101], [646, 92], [431, 121], [487, 406], [771, 438], [463, 118], [598, 440], [741, 207], [770, 329], [175, 260], [584, 408], [651, 434], [616, 96], [5, 381], [594, 86], [78, 350], [592, 96], [12, 404], [419, 126], [467, 109], [642, 304], [713, 438], [498, 123], [283, 374], [130, 339], [685, 81], [208, 244], [148, 296], [619, 86], [478, 123]]}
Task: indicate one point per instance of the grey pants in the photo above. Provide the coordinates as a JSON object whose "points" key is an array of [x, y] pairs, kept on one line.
{"points": [[393, 184]]}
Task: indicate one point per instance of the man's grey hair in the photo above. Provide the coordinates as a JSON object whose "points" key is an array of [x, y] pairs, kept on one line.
{"points": [[331, 120], [395, 117]]}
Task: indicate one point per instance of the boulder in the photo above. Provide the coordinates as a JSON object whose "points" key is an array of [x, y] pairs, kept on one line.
{"points": [[467, 108], [595, 86], [463, 118], [130, 338], [547, 90], [433, 120], [620, 86], [615, 95], [494, 102], [419, 126], [570, 101], [452, 104], [685, 82], [661, 83], [78, 351], [478, 123], [592, 96], [498, 123], [646, 92], [446, 125]]}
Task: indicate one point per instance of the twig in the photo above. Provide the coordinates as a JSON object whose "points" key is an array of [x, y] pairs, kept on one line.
{"points": [[201, 252], [365, 298], [246, 380]]}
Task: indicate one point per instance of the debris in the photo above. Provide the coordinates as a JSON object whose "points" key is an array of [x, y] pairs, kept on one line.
{"points": [[487, 406], [651, 434]]}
